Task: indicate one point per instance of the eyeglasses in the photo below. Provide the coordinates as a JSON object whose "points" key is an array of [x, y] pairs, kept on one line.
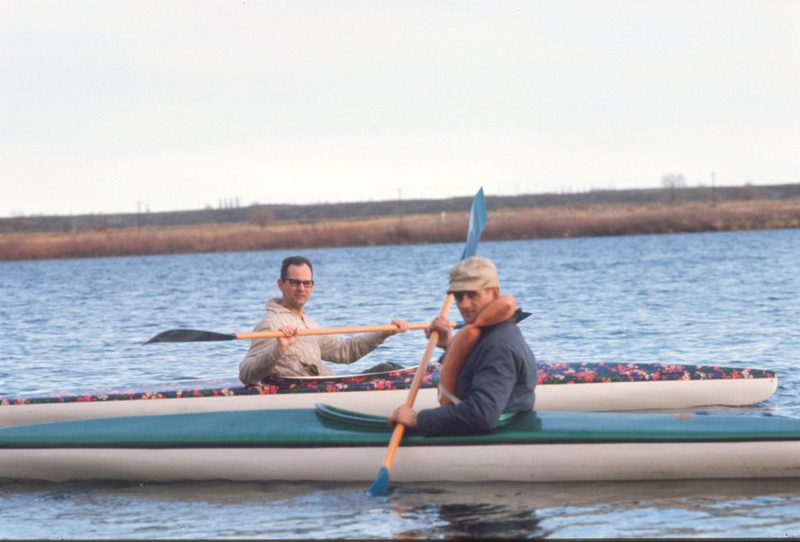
{"points": [[296, 283], [461, 295]]}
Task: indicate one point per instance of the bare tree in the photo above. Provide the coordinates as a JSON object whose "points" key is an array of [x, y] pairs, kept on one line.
{"points": [[672, 182], [748, 192], [17, 222], [262, 216]]}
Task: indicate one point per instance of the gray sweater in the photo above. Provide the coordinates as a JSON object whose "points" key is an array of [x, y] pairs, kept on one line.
{"points": [[303, 358], [499, 376]]}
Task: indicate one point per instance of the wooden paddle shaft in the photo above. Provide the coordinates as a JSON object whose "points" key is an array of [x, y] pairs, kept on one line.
{"points": [[397, 435], [332, 331]]}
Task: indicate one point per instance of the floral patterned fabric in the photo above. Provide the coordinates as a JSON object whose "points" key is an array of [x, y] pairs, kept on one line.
{"points": [[549, 373], [584, 373]]}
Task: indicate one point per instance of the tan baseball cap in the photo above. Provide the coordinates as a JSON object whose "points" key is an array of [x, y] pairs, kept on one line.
{"points": [[473, 274]]}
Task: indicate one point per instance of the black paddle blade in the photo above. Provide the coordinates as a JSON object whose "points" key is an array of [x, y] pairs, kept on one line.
{"points": [[189, 336], [520, 315]]}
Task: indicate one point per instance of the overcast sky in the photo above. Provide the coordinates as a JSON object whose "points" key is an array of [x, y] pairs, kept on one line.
{"points": [[110, 106]]}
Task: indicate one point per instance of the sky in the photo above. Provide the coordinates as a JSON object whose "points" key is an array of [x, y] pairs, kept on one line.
{"points": [[121, 106]]}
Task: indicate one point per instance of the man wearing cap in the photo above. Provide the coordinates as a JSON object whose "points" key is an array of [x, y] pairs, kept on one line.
{"points": [[499, 374], [292, 355]]}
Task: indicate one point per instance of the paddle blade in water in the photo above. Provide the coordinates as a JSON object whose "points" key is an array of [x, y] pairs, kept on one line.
{"points": [[189, 336], [381, 485]]}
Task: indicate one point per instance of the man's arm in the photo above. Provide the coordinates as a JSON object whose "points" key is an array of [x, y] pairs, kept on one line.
{"points": [[348, 350], [264, 354], [259, 360], [491, 387]]}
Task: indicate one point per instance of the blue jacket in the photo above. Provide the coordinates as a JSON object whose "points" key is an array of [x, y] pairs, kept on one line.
{"points": [[499, 376]]}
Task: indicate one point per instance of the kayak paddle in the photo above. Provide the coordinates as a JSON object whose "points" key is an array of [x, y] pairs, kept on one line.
{"points": [[197, 335], [477, 220]]}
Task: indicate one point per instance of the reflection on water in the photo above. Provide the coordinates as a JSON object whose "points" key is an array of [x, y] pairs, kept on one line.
{"points": [[730, 299], [733, 508], [475, 521]]}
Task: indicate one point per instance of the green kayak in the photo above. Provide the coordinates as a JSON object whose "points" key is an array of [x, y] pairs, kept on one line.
{"points": [[330, 444]]}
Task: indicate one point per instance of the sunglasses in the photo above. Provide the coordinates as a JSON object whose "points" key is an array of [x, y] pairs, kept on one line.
{"points": [[294, 283], [461, 295]]}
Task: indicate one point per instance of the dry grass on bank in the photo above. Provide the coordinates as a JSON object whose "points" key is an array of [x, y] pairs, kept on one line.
{"points": [[626, 219], [538, 223]]}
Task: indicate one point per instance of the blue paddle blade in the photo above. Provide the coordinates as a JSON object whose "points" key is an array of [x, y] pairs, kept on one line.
{"points": [[477, 220], [381, 484]]}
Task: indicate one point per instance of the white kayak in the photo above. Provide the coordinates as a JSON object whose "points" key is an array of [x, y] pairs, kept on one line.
{"points": [[588, 387]]}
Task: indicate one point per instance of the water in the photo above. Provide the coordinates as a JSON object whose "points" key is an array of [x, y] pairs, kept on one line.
{"points": [[722, 298]]}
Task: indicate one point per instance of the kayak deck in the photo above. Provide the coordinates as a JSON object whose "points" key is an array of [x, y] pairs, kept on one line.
{"points": [[308, 428], [548, 374]]}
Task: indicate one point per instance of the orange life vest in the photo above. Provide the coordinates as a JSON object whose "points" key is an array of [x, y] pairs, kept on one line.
{"points": [[459, 349]]}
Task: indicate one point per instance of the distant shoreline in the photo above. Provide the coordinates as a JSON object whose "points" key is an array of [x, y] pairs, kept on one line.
{"points": [[564, 221], [326, 212]]}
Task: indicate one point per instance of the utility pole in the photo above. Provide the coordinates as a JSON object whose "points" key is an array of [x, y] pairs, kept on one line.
{"points": [[713, 194], [400, 203]]}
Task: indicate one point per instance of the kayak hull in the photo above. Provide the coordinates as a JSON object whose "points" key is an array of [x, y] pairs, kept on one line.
{"points": [[529, 463]]}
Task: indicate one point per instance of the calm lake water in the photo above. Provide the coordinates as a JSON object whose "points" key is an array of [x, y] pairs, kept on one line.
{"points": [[722, 298]]}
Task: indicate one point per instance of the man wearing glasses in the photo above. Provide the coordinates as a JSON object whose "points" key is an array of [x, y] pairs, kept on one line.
{"points": [[291, 355]]}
